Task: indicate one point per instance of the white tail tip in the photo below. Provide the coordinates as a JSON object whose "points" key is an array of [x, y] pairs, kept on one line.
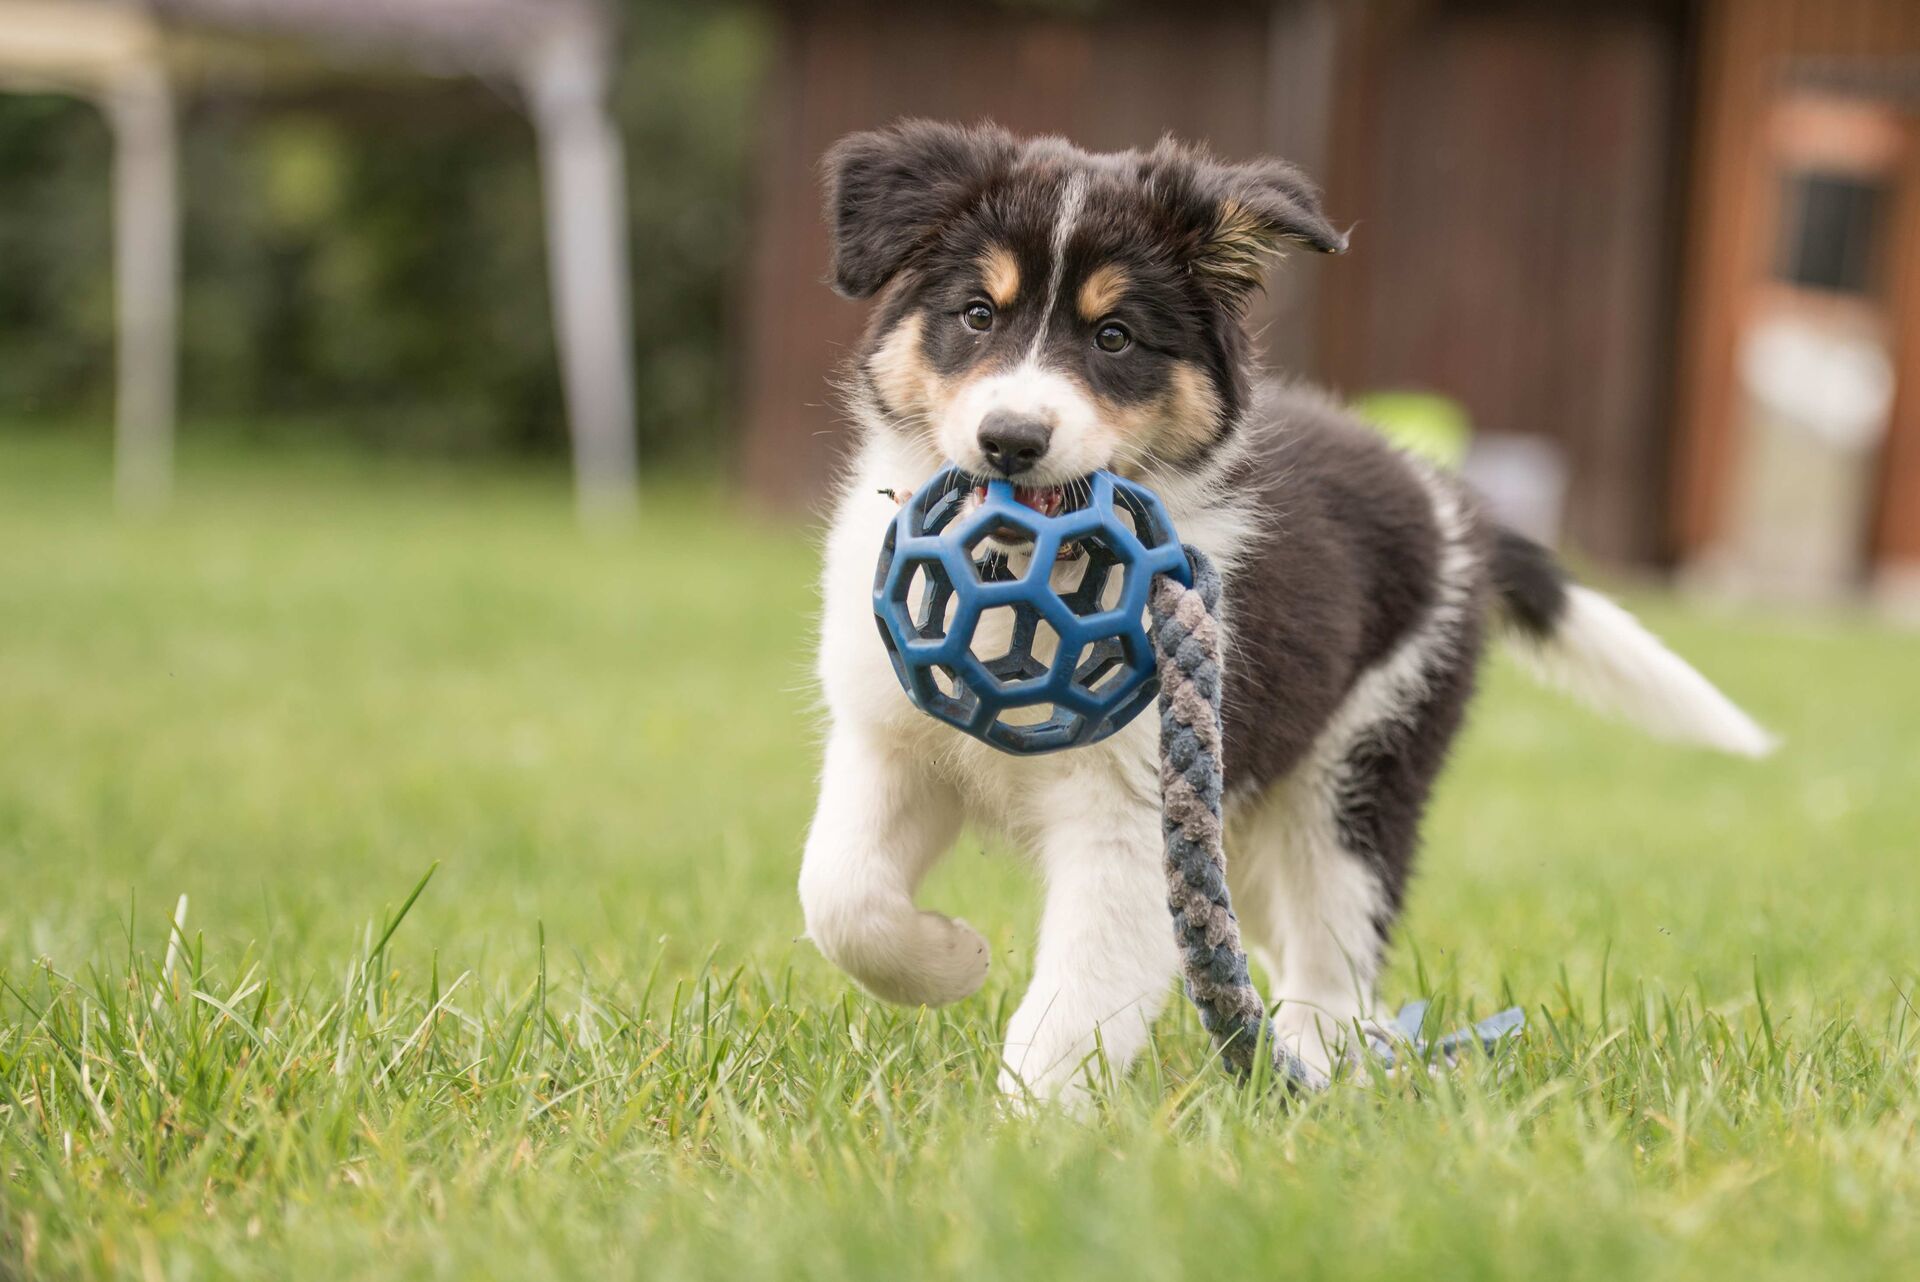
{"points": [[1602, 656]]}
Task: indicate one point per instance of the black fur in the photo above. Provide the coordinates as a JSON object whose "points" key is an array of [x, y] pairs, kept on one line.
{"points": [[890, 194], [1383, 782], [1327, 590], [1333, 585], [1531, 584]]}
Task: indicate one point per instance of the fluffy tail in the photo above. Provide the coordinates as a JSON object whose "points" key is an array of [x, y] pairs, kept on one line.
{"points": [[1573, 638]]}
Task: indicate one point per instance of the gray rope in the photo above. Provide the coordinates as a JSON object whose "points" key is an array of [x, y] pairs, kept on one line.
{"points": [[1186, 640]]}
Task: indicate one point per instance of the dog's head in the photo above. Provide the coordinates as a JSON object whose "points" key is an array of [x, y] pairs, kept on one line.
{"points": [[1047, 311]]}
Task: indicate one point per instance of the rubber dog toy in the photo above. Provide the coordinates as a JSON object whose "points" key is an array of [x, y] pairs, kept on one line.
{"points": [[1084, 577]]}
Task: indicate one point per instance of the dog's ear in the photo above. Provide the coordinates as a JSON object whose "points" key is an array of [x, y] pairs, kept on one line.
{"points": [[889, 191], [1237, 217]]}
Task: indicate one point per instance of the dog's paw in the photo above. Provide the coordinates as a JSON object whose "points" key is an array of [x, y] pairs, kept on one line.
{"points": [[936, 961], [958, 960], [1067, 1092], [1045, 1062], [1319, 1041]]}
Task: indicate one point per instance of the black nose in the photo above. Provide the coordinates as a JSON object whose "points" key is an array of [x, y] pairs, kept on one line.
{"points": [[1013, 442]]}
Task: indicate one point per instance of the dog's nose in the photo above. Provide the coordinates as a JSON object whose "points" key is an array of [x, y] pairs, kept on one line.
{"points": [[1013, 442]]}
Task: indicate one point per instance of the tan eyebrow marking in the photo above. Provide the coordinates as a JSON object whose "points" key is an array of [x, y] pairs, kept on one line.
{"points": [[1103, 290], [1000, 274]]}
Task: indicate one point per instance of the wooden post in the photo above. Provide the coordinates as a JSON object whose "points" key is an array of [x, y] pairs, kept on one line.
{"points": [[146, 267], [583, 180]]}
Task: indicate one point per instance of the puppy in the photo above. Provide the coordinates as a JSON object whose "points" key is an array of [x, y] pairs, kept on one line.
{"points": [[1042, 312]]}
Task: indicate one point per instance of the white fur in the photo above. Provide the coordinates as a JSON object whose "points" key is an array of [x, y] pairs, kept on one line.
{"points": [[1604, 657], [1080, 443], [879, 828], [1309, 908], [1071, 200], [1106, 950]]}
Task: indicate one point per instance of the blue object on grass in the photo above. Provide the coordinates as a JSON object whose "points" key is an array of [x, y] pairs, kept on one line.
{"points": [[939, 577], [1487, 1034]]}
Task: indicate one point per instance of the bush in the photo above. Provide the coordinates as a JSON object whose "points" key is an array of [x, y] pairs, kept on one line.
{"points": [[366, 255]]}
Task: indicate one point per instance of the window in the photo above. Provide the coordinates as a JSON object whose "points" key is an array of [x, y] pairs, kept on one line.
{"points": [[1828, 227]]}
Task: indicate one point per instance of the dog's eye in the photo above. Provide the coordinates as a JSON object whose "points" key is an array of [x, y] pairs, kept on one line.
{"points": [[977, 316], [1112, 338]]}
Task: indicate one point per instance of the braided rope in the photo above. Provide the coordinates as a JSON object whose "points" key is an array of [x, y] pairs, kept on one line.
{"points": [[1186, 640]]}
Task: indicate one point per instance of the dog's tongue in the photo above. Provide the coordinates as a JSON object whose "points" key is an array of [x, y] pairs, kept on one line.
{"points": [[1044, 499]]}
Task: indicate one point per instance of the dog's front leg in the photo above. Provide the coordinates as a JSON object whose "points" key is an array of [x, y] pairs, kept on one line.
{"points": [[1106, 947], [881, 824]]}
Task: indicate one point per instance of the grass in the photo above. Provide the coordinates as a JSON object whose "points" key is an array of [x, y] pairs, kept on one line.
{"points": [[594, 1047]]}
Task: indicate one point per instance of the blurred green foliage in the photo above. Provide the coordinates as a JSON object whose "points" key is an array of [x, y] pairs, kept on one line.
{"points": [[56, 299], [366, 256]]}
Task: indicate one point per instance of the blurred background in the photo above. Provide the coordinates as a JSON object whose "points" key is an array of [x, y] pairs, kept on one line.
{"points": [[1649, 269], [325, 325]]}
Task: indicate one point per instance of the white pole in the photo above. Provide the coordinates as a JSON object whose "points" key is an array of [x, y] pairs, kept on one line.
{"points": [[146, 271], [583, 181]]}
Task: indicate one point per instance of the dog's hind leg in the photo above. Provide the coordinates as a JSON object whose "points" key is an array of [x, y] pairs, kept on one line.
{"points": [[1329, 849], [881, 824], [1319, 911]]}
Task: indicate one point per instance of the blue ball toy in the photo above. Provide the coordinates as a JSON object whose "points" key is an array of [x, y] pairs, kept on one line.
{"points": [[1009, 657]]}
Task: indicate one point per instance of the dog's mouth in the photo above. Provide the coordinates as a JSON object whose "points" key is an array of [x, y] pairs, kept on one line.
{"points": [[1047, 500]]}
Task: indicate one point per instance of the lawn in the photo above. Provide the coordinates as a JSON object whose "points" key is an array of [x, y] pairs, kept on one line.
{"points": [[595, 1045]]}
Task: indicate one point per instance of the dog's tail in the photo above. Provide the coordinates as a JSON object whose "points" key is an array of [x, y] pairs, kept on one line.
{"points": [[1572, 637]]}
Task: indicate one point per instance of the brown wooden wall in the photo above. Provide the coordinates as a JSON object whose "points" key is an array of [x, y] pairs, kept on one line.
{"points": [[1117, 82], [1749, 49], [1512, 168], [1514, 172]]}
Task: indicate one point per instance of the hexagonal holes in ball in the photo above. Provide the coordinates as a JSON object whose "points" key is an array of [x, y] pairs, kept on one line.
{"points": [[1028, 715], [1093, 580], [931, 603], [1104, 670], [944, 681], [938, 689], [1135, 516], [1014, 642], [987, 549]]}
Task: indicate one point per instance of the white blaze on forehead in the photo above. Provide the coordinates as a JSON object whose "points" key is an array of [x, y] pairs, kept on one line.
{"points": [[1072, 196]]}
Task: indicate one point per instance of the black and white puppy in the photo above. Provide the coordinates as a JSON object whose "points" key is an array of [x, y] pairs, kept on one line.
{"points": [[1042, 312]]}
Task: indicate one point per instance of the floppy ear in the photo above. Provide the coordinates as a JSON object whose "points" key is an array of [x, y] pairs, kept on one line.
{"points": [[888, 192], [1240, 216]]}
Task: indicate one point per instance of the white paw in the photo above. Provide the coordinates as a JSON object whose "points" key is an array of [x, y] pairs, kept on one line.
{"points": [[938, 961], [1043, 1064], [1026, 1096], [1318, 1036], [958, 960]]}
